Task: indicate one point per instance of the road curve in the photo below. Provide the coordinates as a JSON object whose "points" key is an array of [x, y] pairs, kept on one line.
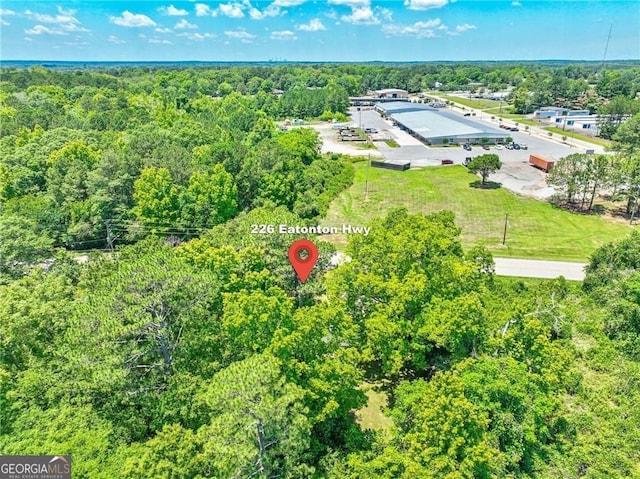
{"points": [[535, 268]]}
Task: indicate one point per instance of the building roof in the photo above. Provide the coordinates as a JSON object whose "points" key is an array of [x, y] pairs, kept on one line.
{"points": [[429, 122], [391, 90]]}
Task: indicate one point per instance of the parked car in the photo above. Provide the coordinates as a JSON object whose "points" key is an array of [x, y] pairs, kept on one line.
{"points": [[446, 162], [514, 128], [371, 130], [467, 114], [499, 147], [523, 146], [485, 147], [516, 146], [509, 146], [467, 147]]}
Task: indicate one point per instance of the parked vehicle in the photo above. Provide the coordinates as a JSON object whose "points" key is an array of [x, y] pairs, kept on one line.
{"points": [[523, 146], [371, 130], [509, 146], [446, 162], [516, 146], [499, 147], [485, 147], [514, 128], [467, 147]]}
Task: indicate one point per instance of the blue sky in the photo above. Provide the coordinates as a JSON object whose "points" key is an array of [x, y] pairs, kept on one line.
{"points": [[331, 30]]}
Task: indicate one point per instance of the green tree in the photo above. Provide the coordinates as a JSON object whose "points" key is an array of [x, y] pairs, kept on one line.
{"points": [[257, 422], [21, 246], [485, 165], [443, 433], [210, 199], [157, 200]]}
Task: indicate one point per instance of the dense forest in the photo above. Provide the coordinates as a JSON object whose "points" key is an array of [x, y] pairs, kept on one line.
{"points": [[180, 345]]}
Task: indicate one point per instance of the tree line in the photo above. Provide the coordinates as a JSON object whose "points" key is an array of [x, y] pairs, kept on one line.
{"points": [[209, 359]]}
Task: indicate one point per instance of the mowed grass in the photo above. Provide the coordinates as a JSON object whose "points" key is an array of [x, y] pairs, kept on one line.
{"points": [[535, 229], [371, 415], [572, 134]]}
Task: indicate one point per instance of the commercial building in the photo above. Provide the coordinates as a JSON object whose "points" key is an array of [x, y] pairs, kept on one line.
{"points": [[437, 127], [391, 93], [379, 96], [555, 111]]}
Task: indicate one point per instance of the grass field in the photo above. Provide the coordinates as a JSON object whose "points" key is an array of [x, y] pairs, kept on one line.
{"points": [[492, 107], [372, 415], [536, 229], [578, 136]]}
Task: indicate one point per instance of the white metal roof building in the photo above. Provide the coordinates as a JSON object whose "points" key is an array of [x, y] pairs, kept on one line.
{"points": [[435, 127]]}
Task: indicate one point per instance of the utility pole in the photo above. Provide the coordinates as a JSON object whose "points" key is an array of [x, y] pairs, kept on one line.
{"points": [[110, 239], [366, 179], [504, 234]]}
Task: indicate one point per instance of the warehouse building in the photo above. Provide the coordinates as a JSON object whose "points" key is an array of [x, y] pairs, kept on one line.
{"points": [[438, 127], [391, 93]]}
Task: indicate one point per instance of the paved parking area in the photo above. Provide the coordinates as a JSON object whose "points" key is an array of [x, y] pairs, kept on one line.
{"points": [[516, 174]]}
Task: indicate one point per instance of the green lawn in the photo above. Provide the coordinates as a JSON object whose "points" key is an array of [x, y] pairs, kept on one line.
{"points": [[477, 103], [536, 229], [492, 107], [578, 136], [371, 416]]}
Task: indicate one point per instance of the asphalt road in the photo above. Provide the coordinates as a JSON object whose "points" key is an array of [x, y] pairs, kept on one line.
{"points": [[534, 268], [525, 268]]}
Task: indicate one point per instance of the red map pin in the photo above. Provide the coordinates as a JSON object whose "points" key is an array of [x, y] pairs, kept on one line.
{"points": [[305, 263]]}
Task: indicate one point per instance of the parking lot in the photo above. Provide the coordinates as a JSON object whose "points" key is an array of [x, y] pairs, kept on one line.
{"points": [[516, 174]]}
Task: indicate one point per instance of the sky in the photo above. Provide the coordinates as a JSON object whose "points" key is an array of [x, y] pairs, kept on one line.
{"points": [[331, 30]]}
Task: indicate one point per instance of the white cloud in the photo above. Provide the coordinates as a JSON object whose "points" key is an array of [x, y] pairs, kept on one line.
{"points": [[202, 10], [64, 16], [361, 16], [173, 11], [196, 36], [424, 4], [41, 29], [5, 12], [160, 41], [163, 30], [315, 25], [184, 25], [288, 3], [64, 19], [128, 19], [350, 3], [28, 39], [385, 13], [462, 28], [116, 40], [240, 33], [231, 10], [516, 3], [418, 29], [283, 35], [272, 10]]}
